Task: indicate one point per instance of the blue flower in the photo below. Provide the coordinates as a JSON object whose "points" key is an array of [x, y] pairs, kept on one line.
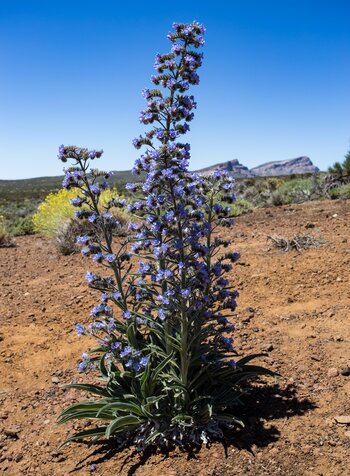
{"points": [[110, 258], [126, 351], [161, 314], [185, 293], [80, 329]]}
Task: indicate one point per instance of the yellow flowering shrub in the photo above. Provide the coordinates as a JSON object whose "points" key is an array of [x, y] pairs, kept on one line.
{"points": [[56, 209]]}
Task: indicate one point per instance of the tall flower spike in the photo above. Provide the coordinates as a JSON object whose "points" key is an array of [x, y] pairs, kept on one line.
{"points": [[165, 341]]}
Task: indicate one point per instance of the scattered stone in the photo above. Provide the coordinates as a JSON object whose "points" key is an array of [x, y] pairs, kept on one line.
{"points": [[13, 431], [267, 347], [332, 372], [343, 419], [18, 457], [335, 215], [55, 380], [339, 280], [310, 225], [345, 372]]}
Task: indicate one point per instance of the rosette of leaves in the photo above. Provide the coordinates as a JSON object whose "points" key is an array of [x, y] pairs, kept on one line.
{"points": [[165, 347]]}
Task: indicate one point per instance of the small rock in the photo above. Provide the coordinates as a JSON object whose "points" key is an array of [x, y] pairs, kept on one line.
{"points": [[310, 225], [55, 380], [332, 372], [13, 431], [18, 457], [343, 419], [267, 347], [338, 279], [345, 372], [335, 215]]}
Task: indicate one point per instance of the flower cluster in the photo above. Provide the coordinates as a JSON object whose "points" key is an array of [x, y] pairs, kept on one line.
{"points": [[163, 324]]}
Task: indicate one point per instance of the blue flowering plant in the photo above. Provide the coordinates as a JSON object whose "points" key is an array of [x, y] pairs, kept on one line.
{"points": [[170, 374]]}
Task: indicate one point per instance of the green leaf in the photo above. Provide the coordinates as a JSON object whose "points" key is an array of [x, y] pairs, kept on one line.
{"points": [[89, 388], [120, 423], [131, 335], [155, 373], [248, 358], [92, 433], [103, 367], [121, 406]]}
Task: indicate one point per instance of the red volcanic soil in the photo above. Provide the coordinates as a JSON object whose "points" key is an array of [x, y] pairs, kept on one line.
{"points": [[295, 304]]}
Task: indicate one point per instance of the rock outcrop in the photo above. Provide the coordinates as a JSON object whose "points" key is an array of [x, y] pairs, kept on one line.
{"points": [[300, 165], [232, 166]]}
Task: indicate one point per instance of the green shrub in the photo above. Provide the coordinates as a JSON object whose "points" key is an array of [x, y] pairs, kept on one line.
{"points": [[341, 169], [342, 192], [22, 226], [6, 239], [295, 184], [278, 199], [240, 207], [296, 190]]}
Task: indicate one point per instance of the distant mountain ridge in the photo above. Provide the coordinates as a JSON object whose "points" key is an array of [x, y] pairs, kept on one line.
{"points": [[299, 165], [43, 185]]}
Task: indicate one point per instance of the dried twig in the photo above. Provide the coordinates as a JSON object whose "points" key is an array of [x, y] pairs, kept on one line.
{"points": [[297, 242]]}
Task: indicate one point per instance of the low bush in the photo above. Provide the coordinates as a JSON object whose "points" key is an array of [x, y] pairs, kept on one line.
{"points": [[278, 199], [55, 218], [240, 207], [22, 226], [296, 190], [6, 239], [342, 192]]}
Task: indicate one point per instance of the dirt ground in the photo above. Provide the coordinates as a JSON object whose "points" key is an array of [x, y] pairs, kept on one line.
{"points": [[295, 305]]}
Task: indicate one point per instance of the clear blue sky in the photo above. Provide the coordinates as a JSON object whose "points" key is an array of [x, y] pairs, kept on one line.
{"points": [[274, 84]]}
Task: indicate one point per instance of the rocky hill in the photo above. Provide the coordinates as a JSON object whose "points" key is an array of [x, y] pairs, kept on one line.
{"points": [[300, 165], [233, 166]]}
